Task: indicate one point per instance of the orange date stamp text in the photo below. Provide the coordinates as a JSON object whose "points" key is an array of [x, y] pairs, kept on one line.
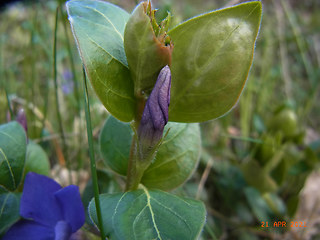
{"points": [[283, 224]]}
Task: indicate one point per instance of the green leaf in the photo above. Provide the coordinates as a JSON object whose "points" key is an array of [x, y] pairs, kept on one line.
{"points": [[98, 29], [211, 60], [176, 159], [115, 141], [9, 210], [13, 143], [37, 160], [145, 215], [146, 54], [174, 163]]}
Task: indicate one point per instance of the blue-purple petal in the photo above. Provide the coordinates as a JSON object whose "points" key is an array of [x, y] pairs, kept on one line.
{"points": [[62, 231], [29, 230], [71, 205], [38, 201]]}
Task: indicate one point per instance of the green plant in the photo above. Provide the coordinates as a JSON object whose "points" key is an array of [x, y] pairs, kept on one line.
{"points": [[202, 66]]}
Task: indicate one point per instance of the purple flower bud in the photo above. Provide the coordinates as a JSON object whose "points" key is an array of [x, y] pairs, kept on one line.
{"points": [[22, 119], [155, 113]]}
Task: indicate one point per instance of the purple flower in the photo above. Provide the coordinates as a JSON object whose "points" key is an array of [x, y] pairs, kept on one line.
{"points": [[50, 212], [155, 113]]}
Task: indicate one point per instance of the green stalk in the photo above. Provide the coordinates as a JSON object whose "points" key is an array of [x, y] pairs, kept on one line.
{"points": [[92, 158], [135, 171], [299, 39], [138, 163], [46, 90], [75, 81], [3, 82], [305, 60], [33, 58], [73, 70], [56, 93], [210, 232], [8, 101]]}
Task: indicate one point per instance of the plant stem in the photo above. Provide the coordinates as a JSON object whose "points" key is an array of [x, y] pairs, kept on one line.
{"points": [[92, 158], [8, 101], [136, 166], [75, 83], [138, 163], [135, 173], [3, 82], [56, 93]]}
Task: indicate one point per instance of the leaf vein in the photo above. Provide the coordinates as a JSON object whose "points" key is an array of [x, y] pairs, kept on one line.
{"points": [[151, 211], [175, 213], [108, 20], [9, 167], [4, 203]]}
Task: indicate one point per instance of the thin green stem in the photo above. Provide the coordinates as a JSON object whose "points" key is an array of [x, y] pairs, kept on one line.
{"points": [[138, 163], [65, 150], [3, 82], [75, 81], [33, 57], [210, 232], [135, 173], [299, 39], [92, 158], [305, 60], [8, 102], [73, 70]]}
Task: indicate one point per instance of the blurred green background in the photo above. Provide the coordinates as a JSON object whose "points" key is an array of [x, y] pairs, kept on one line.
{"points": [[260, 162]]}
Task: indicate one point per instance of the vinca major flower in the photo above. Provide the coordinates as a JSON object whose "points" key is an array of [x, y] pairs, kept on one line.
{"points": [[49, 211], [155, 113]]}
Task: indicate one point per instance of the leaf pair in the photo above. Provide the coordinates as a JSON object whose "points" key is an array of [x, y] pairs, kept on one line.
{"points": [[211, 58], [175, 161]]}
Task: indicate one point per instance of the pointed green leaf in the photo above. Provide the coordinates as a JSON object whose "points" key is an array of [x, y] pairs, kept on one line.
{"points": [[146, 54], [174, 163], [13, 143], [98, 29], [115, 141], [176, 159], [211, 60], [9, 210], [146, 215]]}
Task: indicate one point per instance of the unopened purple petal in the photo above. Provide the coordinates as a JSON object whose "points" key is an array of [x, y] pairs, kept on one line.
{"points": [[62, 231], [22, 119], [38, 201], [155, 114], [71, 205], [29, 230]]}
